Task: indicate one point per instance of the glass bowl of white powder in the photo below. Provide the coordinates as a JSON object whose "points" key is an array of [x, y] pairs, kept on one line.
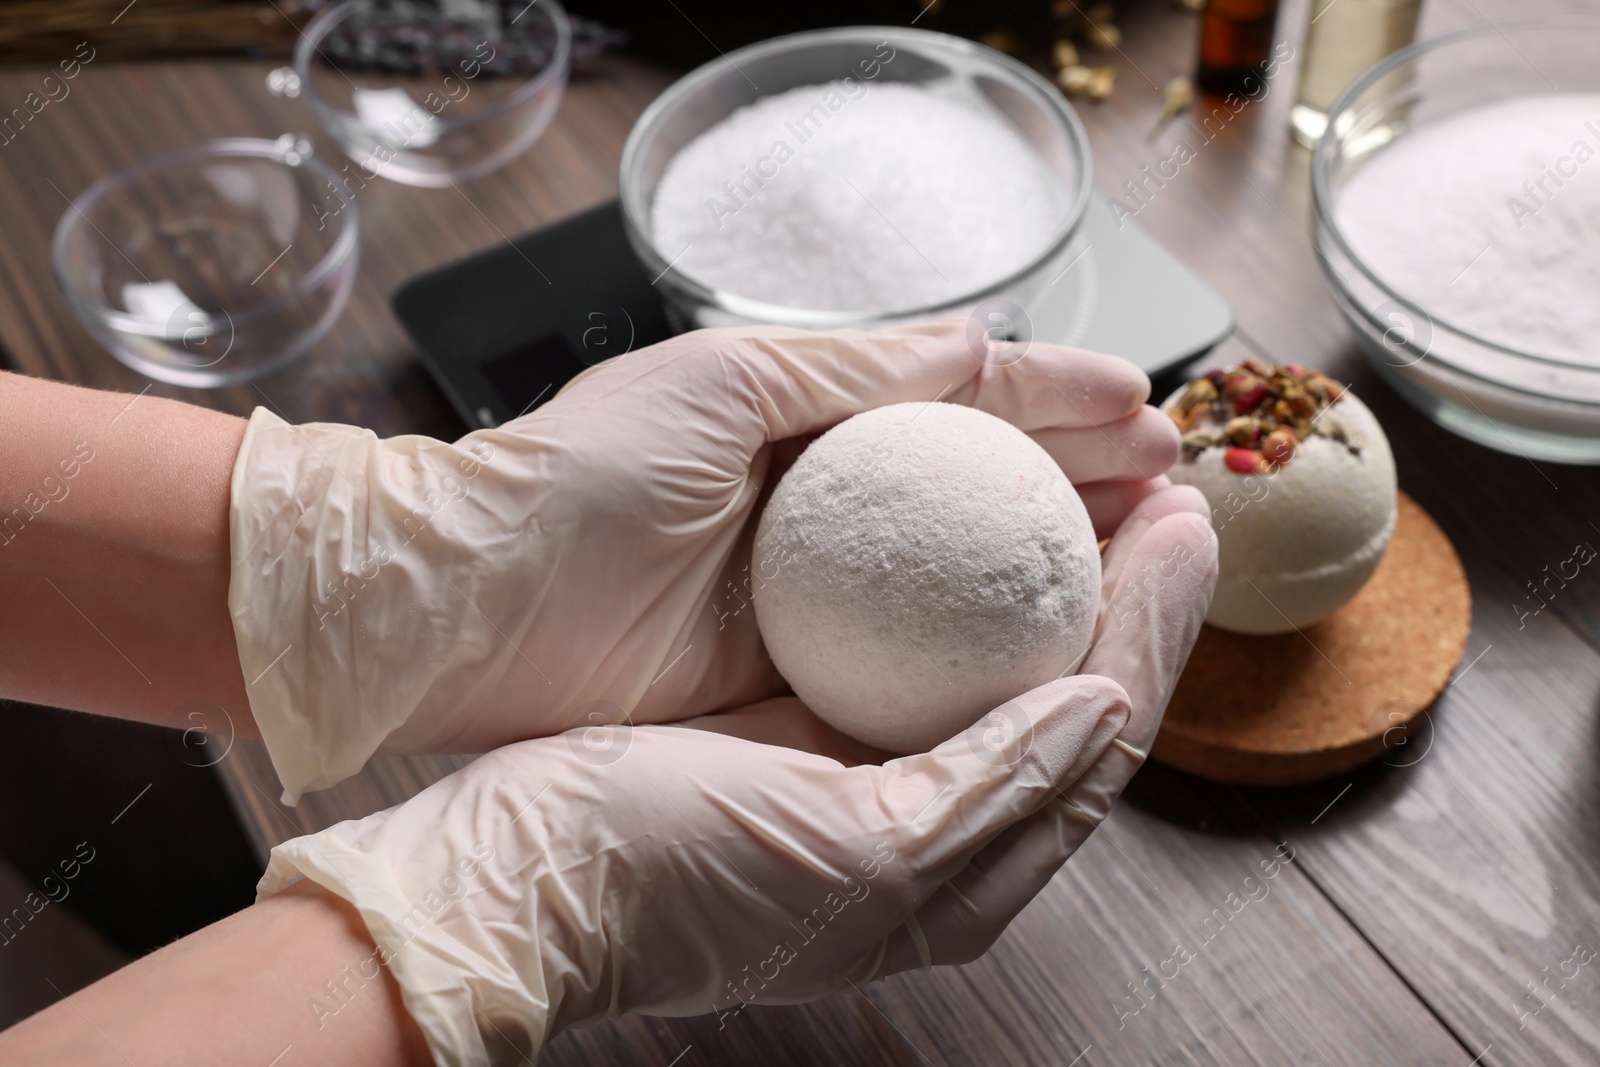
{"points": [[854, 177], [1457, 201]]}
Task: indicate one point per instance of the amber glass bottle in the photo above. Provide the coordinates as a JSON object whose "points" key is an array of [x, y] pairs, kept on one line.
{"points": [[1235, 40]]}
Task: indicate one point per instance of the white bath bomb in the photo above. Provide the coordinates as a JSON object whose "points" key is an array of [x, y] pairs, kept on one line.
{"points": [[1296, 544], [920, 565]]}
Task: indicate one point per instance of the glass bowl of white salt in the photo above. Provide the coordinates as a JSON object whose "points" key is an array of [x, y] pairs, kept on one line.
{"points": [[1457, 201], [854, 177]]}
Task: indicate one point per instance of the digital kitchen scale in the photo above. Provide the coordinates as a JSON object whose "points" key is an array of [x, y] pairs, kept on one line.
{"points": [[502, 331]]}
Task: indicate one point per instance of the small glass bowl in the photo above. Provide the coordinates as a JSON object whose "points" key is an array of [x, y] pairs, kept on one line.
{"points": [[1505, 398], [212, 265], [427, 97], [950, 65]]}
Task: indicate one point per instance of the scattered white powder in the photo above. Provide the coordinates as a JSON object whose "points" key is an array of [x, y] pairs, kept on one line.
{"points": [[1490, 221], [920, 565], [846, 196]]}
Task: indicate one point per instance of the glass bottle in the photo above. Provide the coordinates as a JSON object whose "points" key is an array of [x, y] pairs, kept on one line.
{"points": [[1235, 42], [1343, 39]]}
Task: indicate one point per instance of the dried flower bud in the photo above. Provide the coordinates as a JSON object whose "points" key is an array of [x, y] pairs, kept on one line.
{"points": [[1244, 461], [1101, 82], [1177, 95], [1103, 35], [1297, 402], [1245, 393], [1003, 40], [1278, 446], [1074, 80], [1324, 388], [1331, 427], [1242, 430], [1196, 443], [1184, 419], [1064, 54], [1199, 391]]}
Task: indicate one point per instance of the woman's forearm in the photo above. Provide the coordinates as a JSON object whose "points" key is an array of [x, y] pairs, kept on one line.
{"points": [[114, 558], [294, 980]]}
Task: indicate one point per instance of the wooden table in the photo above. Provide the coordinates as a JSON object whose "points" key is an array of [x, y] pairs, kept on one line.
{"points": [[1442, 910]]}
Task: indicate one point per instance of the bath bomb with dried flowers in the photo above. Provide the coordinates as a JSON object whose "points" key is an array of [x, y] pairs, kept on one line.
{"points": [[1301, 485], [917, 567]]}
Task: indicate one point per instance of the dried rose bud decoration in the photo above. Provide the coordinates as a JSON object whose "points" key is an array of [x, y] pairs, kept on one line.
{"points": [[1196, 443], [1200, 391], [1246, 394], [1324, 388], [1265, 412], [1242, 430], [1182, 419], [1279, 445], [1243, 461]]}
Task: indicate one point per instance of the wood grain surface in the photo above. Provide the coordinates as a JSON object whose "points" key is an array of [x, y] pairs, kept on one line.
{"points": [[1435, 902]]}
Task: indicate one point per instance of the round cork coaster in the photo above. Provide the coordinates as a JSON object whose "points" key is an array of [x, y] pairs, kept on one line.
{"points": [[1296, 707]]}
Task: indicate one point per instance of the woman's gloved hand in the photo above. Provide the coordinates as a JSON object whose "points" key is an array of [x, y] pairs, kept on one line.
{"points": [[590, 561], [677, 870]]}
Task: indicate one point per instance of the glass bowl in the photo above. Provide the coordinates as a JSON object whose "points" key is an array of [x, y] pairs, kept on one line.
{"points": [[430, 95], [950, 66], [212, 265], [1521, 402]]}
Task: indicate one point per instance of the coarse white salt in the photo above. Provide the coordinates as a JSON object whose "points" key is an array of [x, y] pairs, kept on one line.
{"points": [[855, 197], [1489, 220]]}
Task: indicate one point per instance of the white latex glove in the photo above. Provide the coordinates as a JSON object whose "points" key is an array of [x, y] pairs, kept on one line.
{"points": [[589, 562], [675, 871]]}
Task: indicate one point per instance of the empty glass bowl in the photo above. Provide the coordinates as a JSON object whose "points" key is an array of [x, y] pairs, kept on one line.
{"points": [[212, 265], [431, 94], [949, 66]]}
